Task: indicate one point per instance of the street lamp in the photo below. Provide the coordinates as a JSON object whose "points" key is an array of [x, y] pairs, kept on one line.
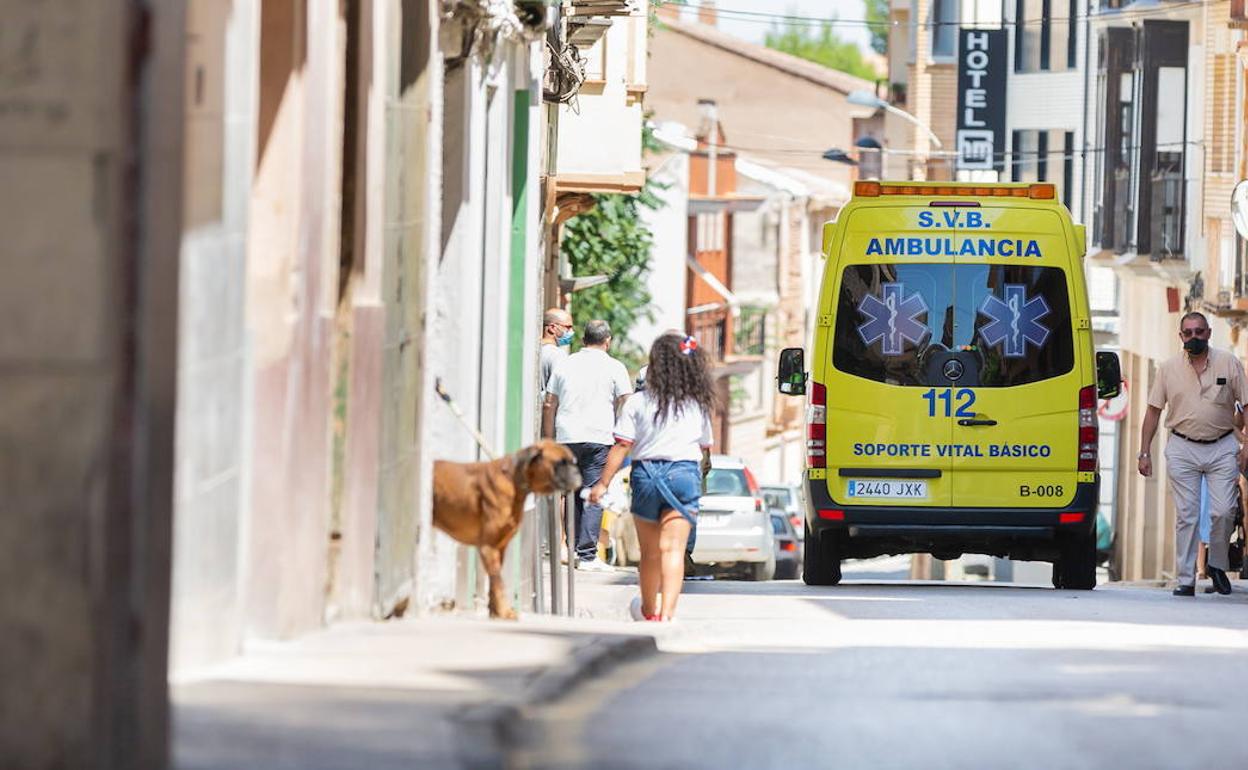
{"points": [[868, 99], [837, 155]]}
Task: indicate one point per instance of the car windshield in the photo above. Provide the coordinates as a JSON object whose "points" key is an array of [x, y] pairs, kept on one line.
{"points": [[945, 324], [726, 482], [776, 498], [777, 525]]}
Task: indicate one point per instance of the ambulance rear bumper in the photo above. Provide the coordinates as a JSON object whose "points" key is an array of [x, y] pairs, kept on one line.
{"points": [[866, 531]]}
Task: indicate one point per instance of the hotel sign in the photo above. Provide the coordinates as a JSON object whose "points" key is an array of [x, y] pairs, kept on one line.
{"points": [[983, 56]]}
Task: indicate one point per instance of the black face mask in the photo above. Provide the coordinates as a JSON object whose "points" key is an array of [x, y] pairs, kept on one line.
{"points": [[1196, 345]]}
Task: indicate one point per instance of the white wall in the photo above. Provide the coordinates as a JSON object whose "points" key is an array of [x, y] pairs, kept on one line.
{"points": [[600, 132], [471, 328], [211, 473], [668, 271]]}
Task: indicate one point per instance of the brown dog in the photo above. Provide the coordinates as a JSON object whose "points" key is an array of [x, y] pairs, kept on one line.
{"points": [[481, 504]]}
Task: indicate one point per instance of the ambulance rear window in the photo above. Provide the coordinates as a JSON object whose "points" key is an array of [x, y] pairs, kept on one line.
{"points": [[944, 324]]}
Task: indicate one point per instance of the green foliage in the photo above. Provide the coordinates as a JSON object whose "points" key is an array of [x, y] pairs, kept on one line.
{"points": [[612, 240], [820, 45], [877, 16]]}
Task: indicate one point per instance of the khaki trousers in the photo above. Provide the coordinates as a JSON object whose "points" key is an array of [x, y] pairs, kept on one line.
{"points": [[1186, 462]]}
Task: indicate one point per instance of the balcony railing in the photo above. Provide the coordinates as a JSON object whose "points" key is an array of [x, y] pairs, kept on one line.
{"points": [[710, 329], [750, 336], [1166, 220]]}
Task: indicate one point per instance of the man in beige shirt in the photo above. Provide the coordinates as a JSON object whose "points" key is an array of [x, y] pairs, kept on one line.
{"points": [[1202, 389]]}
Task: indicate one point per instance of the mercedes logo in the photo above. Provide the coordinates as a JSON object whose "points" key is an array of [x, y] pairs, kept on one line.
{"points": [[953, 369]]}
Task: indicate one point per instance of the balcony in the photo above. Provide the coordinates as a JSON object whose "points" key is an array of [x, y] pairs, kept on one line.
{"points": [[729, 340]]}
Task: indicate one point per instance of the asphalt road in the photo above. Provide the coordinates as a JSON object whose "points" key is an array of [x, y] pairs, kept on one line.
{"points": [[889, 674]]}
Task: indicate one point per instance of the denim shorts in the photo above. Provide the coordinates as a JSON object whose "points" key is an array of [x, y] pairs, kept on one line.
{"points": [[659, 485]]}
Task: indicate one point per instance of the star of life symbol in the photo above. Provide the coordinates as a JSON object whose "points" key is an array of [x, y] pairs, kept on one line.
{"points": [[894, 319], [1015, 321]]}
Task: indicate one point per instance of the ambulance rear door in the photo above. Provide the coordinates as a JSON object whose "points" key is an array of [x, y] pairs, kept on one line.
{"points": [[1016, 428], [890, 308]]}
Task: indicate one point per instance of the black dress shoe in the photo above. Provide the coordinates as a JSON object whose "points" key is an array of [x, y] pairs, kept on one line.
{"points": [[1221, 583], [1185, 591]]}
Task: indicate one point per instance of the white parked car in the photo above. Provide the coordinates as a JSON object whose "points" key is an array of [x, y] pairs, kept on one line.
{"points": [[734, 532]]}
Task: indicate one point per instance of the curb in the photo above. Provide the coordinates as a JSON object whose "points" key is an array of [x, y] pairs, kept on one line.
{"points": [[488, 731]]}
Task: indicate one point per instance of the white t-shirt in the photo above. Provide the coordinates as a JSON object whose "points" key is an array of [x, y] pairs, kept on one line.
{"points": [[679, 437], [587, 383]]}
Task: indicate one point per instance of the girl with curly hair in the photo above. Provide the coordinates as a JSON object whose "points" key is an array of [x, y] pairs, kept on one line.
{"points": [[667, 429]]}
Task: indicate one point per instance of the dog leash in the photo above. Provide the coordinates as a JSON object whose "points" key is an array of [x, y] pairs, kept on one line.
{"points": [[459, 415]]}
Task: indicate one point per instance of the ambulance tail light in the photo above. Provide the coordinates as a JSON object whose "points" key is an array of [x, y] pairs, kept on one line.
{"points": [[1089, 431], [817, 427]]}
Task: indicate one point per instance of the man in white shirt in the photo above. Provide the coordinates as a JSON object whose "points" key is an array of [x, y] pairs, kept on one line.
{"points": [[585, 392]]}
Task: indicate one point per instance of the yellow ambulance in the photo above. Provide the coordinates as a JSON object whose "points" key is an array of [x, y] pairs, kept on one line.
{"points": [[953, 393]]}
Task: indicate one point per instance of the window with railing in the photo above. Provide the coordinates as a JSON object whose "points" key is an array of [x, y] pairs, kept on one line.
{"points": [[1142, 83], [750, 335], [710, 329], [1167, 213], [1113, 212]]}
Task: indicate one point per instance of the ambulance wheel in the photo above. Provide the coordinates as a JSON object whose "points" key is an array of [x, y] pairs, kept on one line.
{"points": [[822, 565], [1076, 570]]}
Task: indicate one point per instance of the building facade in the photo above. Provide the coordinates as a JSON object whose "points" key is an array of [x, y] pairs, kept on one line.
{"points": [[1166, 107], [336, 272]]}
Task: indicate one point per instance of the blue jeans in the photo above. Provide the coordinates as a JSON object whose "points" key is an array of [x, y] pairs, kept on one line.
{"points": [[590, 458]]}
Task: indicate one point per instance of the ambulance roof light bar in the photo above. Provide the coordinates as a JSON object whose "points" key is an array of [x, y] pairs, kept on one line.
{"points": [[1042, 191]]}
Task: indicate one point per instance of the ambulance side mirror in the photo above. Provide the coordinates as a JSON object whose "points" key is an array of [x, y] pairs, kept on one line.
{"points": [[791, 378], [1108, 374]]}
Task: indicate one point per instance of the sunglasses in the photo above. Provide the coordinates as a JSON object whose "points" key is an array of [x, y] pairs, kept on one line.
{"points": [[1189, 333]]}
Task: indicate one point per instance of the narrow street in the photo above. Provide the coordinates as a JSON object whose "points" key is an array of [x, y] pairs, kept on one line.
{"points": [[899, 674], [356, 355]]}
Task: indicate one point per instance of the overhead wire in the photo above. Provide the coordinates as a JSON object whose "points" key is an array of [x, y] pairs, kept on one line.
{"points": [[810, 152], [764, 17]]}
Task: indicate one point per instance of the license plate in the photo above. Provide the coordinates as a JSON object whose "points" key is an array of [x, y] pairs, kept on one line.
{"points": [[861, 489], [712, 519]]}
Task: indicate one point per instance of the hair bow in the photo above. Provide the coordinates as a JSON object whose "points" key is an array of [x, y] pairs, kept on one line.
{"points": [[688, 345]]}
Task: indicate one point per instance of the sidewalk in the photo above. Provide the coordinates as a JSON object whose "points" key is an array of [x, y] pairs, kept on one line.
{"points": [[437, 692]]}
